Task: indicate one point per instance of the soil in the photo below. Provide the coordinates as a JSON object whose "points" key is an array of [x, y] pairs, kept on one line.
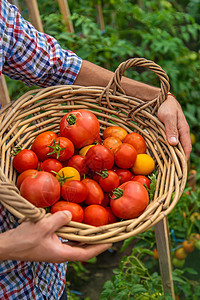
{"points": [[99, 273]]}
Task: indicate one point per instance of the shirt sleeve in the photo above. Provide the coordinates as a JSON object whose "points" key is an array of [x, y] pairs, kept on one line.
{"points": [[31, 56]]}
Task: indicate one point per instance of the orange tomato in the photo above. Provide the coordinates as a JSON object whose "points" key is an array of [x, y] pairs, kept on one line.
{"points": [[188, 246], [115, 131], [180, 253], [155, 256], [112, 143], [144, 165], [137, 141]]}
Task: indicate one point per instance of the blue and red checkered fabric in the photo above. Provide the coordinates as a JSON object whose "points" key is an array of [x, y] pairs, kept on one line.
{"points": [[36, 59]]}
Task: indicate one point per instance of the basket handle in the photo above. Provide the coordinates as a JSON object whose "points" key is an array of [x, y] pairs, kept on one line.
{"points": [[115, 81]]}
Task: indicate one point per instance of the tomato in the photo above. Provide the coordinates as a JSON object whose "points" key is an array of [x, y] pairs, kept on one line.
{"points": [[144, 165], [195, 216], [137, 141], [111, 217], [85, 149], [142, 179], [41, 144], [41, 189], [108, 180], [129, 200], [61, 148], [106, 200], [24, 160], [155, 253], [180, 253], [23, 175], [67, 173], [124, 175], [188, 246], [75, 209], [99, 158], [95, 193], [125, 156], [115, 131], [95, 215], [194, 237], [74, 191], [178, 263], [79, 163], [112, 143], [81, 127], [51, 164]]}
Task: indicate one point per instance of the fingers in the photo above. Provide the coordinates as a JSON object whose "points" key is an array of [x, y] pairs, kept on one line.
{"points": [[57, 220], [185, 139], [83, 253]]}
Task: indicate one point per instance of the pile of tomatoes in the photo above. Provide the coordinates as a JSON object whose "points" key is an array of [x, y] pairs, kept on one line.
{"points": [[100, 179]]}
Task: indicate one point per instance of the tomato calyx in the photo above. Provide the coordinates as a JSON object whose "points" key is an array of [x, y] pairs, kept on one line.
{"points": [[118, 193], [103, 173], [16, 150], [71, 119], [62, 178], [56, 148]]}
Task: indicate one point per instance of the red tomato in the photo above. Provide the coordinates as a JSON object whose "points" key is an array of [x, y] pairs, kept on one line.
{"points": [[74, 191], [137, 141], [111, 217], [61, 148], [51, 164], [95, 193], [81, 127], [142, 179], [24, 160], [95, 215], [130, 200], [106, 200], [78, 162], [23, 175], [99, 158], [108, 180], [125, 156], [41, 189], [41, 144], [75, 209], [124, 175]]}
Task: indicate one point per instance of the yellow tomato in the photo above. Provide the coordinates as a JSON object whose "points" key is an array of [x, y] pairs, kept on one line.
{"points": [[144, 165], [67, 173], [193, 138], [84, 150]]}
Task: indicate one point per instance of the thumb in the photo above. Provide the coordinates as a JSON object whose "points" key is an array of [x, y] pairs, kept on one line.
{"points": [[171, 132], [59, 219]]}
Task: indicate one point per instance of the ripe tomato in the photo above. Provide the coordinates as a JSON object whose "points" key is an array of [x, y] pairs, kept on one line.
{"points": [[188, 246], [108, 180], [75, 209], [137, 141], [67, 173], [61, 148], [41, 144], [74, 191], [111, 217], [99, 158], [144, 165], [112, 143], [24, 160], [180, 253], [142, 179], [155, 255], [95, 193], [51, 164], [81, 127], [106, 200], [125, 156], [124, 175], [129, 200], [41, 189], [23, 175], [79, 163], [115, 131], [95, 215]]}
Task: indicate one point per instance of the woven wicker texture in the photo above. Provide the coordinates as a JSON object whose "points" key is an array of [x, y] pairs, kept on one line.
{"points": [[42, 109]]}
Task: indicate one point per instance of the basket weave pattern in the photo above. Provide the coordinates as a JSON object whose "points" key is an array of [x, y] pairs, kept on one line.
{"points": [[42, 109]]}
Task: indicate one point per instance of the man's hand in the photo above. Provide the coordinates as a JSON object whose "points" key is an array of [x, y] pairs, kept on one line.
{"points": [[39, 242], [177, 128]]}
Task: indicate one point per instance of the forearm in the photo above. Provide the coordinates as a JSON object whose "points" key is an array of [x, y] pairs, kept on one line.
{"points": [[94, 75]]}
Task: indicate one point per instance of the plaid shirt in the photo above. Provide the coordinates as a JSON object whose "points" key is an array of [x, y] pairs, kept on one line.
{"points": [[36, 59]]}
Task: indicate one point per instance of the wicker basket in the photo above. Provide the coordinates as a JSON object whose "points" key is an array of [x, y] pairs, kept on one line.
{"points": [[38, 110]]}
